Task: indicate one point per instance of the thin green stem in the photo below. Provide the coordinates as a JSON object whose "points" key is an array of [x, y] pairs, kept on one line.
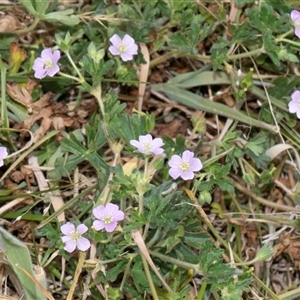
{"points": [[197, 57], [246, 263], [69, 76], [269, 291], [141, 189], [249, 166], [3, 96], [288, 41], [246, 54], [202, 290], [285, 34], [4, 116], [57, 274], [108, 261], [176, 262], [141, 203], [163, 58], [148, 275], [28, 29], [78, 270], [126, 272], [175, 53], [262, 200], [242, 166], [146, 167], [97, 91], [154, 238], [81, 78]]}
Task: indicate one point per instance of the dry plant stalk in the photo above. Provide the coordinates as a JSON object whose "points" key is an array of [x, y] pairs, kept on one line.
{"points": [[87, 17]]}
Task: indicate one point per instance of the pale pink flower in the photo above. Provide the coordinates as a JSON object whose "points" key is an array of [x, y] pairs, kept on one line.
{"points": [[46, 64], [295, 16], [184, 166], [147, 145], [73, 237], [3, 155], [108, 216], [125, 47], [294, 104]]}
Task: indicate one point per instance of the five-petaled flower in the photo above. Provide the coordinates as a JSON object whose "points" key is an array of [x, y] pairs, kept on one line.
{"points": [[294, 104], [46, 64], [108, 217], [184, 166], [295, 16], [3, 154], [125, 47], [73, 237], [147, 145]]}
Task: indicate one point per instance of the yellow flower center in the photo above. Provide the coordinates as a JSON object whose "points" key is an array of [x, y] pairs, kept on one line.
{"points": [[297, 23], [184, 166], [122, 48], [75, 235], [108, 219], [48, 64], [147, 146]]}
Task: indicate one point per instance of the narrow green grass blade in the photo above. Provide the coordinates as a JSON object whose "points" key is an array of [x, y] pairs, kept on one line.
{"points": [[18, 256], [195, 101], [294, 294], [201, 78]]}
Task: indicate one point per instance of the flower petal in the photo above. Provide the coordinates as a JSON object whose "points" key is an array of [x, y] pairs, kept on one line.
{"points": [[55, 56], [145, 138], [67, 228], [297, 32], [175, 172], [99, 211], [128, 40], [3, 152], [187, 155], [111, 209], [40, 74], [195, 164], [98, 225], [83, 244], [119, 216], [136, 144], [70, 246], [133, 50], [296, 96], [66, 238], [293, 107], [113, 50], [157, 142], [175, 161], [295, 15], [187, 175], [46, 53], [126, 57], [38, 64], [111, 227], [115, 40], [53, 71], [157, 151], [81, 229]]}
